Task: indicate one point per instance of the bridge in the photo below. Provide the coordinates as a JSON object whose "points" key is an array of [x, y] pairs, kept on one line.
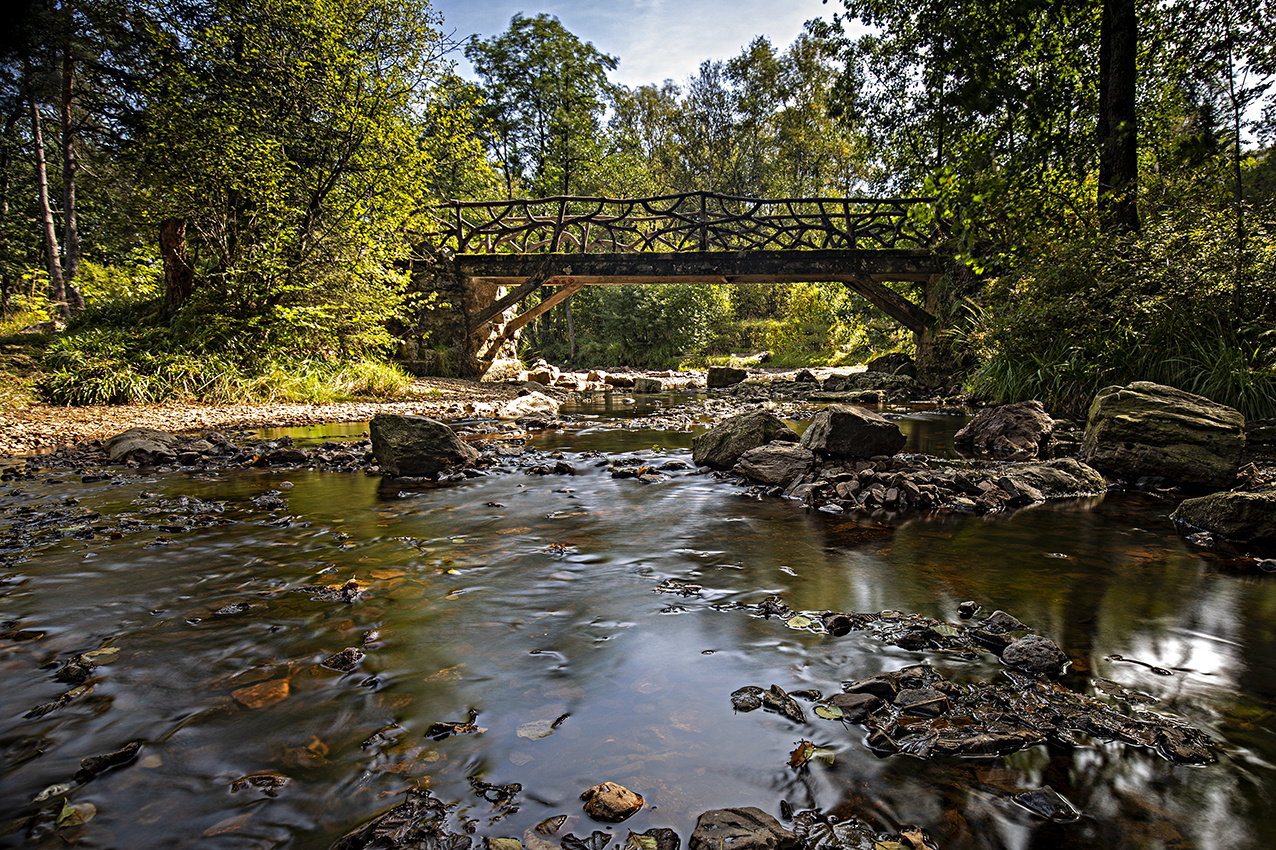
{"points": [[570, 242]]}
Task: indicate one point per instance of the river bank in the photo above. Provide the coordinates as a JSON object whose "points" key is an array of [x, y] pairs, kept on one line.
{"points": [[42, 427]]}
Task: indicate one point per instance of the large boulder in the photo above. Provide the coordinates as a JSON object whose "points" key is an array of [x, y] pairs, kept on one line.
{"points": [[724, 376], [417, 445], [745, 828], [722, 445], [895, 363], [775, 464], [844, 430], [1235, 515], [1260, 438], [1022, 429], [648, 385], [1146, 429], [144, 446], [532, 404]]}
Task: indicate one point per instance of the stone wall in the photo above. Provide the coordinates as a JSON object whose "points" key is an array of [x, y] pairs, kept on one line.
{"points": [[436, 341]]}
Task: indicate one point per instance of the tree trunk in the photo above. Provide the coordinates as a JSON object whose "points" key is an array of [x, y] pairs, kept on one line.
{"points": [[70, 229], [57, 287], [179, 277], [6, 162], [571, 331], [1118, 129]]}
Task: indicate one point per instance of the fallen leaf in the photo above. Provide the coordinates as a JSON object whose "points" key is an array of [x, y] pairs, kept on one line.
{"points": [[263, 694], [503, 844], [829, 712], [74, 815], [802, 754], [798, 622], [536, 730]]}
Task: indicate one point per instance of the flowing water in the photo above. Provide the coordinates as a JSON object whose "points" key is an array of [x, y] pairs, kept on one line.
{"points": [[533, 606]]}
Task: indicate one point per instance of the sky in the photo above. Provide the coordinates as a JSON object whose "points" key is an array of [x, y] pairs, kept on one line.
{"points": [[655, 40]]}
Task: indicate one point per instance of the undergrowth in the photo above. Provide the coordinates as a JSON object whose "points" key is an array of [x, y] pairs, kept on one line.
{"points": [[142, 366], [1177, 305]]}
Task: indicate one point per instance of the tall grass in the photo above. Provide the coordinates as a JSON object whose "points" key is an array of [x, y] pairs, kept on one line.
{"points": [[114, 366]]}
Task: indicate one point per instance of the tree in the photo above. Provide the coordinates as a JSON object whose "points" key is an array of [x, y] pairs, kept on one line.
{"points": [[285, 137], [546, 92]]}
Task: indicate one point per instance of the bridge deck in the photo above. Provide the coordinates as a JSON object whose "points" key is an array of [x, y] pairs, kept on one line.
{"points": [[861, 271]]}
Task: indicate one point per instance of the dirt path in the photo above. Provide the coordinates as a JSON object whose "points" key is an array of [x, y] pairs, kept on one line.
{"points": [[42, 427]]}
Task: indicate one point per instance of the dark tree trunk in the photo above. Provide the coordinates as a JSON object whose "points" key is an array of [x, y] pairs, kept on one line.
{"points": [[179, 277], [1118, 130], [57, 287], [70, 229], [7, 275]]}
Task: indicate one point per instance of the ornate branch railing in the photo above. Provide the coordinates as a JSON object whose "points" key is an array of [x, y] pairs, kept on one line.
{"points": [[692, 221]]}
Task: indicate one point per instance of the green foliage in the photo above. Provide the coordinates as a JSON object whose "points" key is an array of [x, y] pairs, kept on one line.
{"points": [[122, 365], [545, 97], [1176, 305], [648, 325]]}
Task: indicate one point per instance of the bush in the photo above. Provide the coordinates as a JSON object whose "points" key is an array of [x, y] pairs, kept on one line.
{"points": [[1177, 304]]}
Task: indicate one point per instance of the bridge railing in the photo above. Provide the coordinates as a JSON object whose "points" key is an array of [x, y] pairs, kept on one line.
{"points": [[690, 221]]}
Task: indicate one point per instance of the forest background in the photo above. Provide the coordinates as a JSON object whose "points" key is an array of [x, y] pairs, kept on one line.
{"points": [[1102, 172]]}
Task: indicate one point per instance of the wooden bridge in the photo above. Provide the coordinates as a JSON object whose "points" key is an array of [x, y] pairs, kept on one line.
{"points": [[695, 237]]}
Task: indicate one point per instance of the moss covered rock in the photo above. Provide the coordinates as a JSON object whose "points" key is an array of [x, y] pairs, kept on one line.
{"points": [[1147, 429]]}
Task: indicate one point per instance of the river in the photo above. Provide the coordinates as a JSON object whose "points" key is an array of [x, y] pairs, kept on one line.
{"points": [[588, 626]]}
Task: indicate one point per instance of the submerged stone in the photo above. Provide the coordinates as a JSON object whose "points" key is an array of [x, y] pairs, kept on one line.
{"points": [[745, 828]]}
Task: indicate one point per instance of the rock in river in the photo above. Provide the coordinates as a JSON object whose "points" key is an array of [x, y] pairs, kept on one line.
{"points": [[775, 464], [146, 446], [611, 802], [1035, 654], [844, 430], [417, 445], [1022, 429], [724, 376], [1235, 515], [722, 445], [1146, 429], [746, 828]]}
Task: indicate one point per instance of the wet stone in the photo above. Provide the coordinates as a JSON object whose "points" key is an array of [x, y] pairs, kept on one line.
{"points": [[966, 610], [999, 622], [883, 686], [745, 828], [1035, 654], [856, 707], [927, 702], [611, 802], [343, 661], [747, 698], [1049, 804]]}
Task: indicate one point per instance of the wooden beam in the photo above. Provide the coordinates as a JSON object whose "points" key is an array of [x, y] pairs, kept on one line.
{"points": [[563, 293], [891, 303], [518, 322], [533, 283]]}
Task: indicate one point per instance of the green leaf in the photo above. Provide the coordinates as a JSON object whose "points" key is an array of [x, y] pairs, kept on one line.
{"points": [[829, 712], [75, 815], [799, 622]]}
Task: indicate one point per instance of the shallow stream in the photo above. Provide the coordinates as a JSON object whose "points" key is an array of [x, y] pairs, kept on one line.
{"points": [[538, 607]]}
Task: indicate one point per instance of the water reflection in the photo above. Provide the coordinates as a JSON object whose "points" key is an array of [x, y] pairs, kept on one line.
{"points": [[532, 601]]}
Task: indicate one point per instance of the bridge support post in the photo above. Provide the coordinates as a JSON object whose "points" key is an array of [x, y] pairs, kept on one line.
{"points": [[439, 340]]}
